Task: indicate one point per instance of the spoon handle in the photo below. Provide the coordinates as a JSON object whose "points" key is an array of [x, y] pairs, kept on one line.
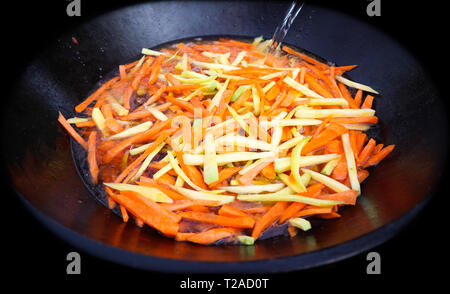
{"points": [[283, 27]]}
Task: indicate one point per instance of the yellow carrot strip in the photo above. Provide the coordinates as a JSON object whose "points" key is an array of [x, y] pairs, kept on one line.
{"points": [[351, 165], [180, 172], [295, 165]]}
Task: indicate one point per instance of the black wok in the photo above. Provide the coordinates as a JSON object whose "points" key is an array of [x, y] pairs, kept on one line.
{"points": [[40, 166]]}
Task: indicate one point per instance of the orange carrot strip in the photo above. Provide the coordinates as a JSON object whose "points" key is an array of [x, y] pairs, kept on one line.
{"points": [[329, 215], [149, 212], [340, 171], [224, 174], [236, 43], [269, 172], [93, 167], [347, 96], [378, 148], [84, 124], [181, 88], [358, 97], [348, 197], [295, 207], [166, 179], [127, 96], [124, 212], [352, 138], [62, 120], [312, 211], [269, 218], [244, 97], [112, 204], [199, 208], [191, 171], [149, 182], [210, 218], [113, 125], [183, 104], [360, 140], [335, 146], [144, 70], [210, 236], [320, 128], [277, 102], [375, 159], [161, 210], [326, 79], [339, 70], [163, 136], [123, 73], [100, 100], [367, 102], [155, 129], [273, 92], [82, 106], [155, 70], [362, 175], [315, 86], [287, 101], [180, 237], [355, 120], [227, 210], [305, 57], [248, 177], [366, 152], [260, 209], [330, 133], [186, 203]]}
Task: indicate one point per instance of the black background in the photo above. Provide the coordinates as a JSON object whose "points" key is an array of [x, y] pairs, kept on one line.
{"points": [[418, 254]]}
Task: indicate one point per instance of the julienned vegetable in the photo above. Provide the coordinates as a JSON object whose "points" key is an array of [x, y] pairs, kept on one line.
{"points": [[215, 141]]}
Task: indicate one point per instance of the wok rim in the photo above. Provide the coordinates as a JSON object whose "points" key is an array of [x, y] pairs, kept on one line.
{"points": [[302, 261]]}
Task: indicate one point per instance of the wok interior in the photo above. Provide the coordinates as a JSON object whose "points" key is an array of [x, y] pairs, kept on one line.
{"points": [[37, 152]]}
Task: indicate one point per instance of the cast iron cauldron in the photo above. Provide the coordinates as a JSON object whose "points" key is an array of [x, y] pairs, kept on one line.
{"points": [[42, 171]]}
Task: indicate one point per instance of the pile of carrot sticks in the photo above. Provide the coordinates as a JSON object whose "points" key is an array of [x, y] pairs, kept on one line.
{"points": [[218, 141]]}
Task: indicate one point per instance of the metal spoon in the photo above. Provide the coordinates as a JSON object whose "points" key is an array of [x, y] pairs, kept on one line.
{"points": [[282, 29]]}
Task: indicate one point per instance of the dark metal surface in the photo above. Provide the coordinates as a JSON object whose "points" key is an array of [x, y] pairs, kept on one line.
{"points": [[41, 169]]}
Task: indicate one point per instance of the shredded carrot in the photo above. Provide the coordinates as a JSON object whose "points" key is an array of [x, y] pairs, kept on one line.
{"points": [[247, 177], [230, 211], [165, 103], [192, 172], [358, 98], [209, 236], [366, 152], [375, 159], [144, 181], [367, 102], [224, 174], [149, 212], [71, 131], [295, 207], [93, 167], [82, 106], [246, 222], [329, 133], [348, 197], [347, 96], [312, 211], [269, 218]]}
